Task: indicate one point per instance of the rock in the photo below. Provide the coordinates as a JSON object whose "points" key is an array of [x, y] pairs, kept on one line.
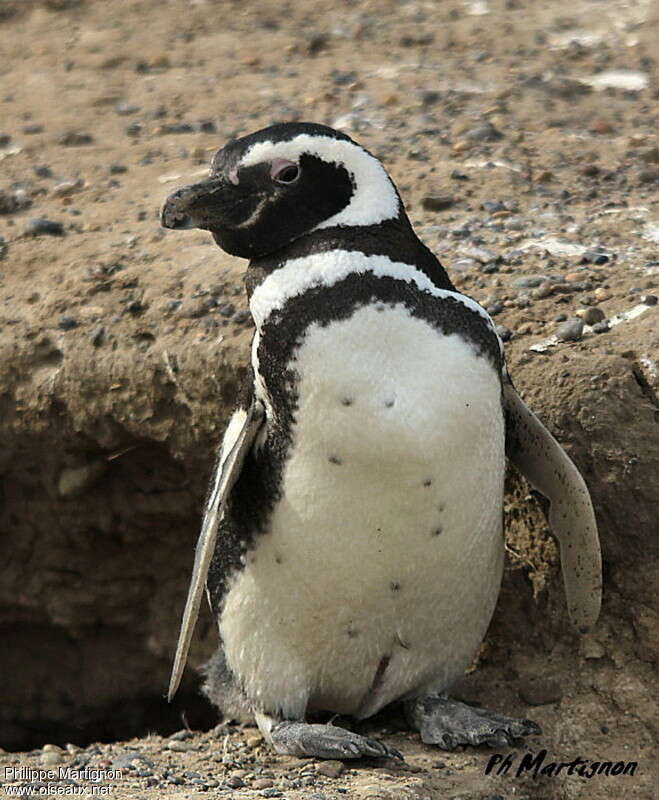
{"points": [[594, 257], [178, 747], [540, 691], [601, 327], [545, 289], [504, 333], [528, 281], [12, 201], [67, 188], [590, 648], [649, 175], [51, 759], [486, 132], [75, 139], [570, 331], [263, 783], [602, 294], [118, 169], [42, 226], [192, 308], [181, 735], [437, 202], [254, 741], [74, 480], [98, 335], [592, 315], [649, 299], [67, 323], [495, 308], [234, 782], [331, 769], [125, 109]]}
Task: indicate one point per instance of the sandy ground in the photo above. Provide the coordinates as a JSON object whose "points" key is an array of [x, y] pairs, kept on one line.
{"points": [[524, 138]]}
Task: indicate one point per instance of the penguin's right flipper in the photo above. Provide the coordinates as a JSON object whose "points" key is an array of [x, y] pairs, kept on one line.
{"points": [[547, 467], [238, 438]]}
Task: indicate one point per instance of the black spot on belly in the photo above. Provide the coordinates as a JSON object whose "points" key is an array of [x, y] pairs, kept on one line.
{"points": [[278, 559], [335, 460], [427, 482], [353, 633], [394, 586], [347, 401], [437, 531], [389, 403]]}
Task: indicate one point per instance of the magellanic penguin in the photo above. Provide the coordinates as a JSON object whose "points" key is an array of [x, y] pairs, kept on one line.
{"points": [[352, 544]]}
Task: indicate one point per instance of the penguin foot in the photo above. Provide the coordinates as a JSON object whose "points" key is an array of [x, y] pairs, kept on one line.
{"points": [[326, 741], [449, 723]]}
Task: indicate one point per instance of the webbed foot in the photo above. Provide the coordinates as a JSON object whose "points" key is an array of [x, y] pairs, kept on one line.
{"points": [[449, 723], [326, 741]]}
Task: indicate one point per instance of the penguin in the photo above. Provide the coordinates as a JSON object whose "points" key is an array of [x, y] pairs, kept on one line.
{"points": [[352, 546]]}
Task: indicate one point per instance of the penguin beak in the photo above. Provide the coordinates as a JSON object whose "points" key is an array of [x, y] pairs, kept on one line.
{"points": [[196, 206]]}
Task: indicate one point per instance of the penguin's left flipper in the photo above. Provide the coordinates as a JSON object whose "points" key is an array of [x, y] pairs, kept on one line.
{"points": [[307, 740], [547, 467], [449, 723], [238, 438]]}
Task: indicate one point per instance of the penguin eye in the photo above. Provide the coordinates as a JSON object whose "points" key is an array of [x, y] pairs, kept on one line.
{"points": [[285, 172]]}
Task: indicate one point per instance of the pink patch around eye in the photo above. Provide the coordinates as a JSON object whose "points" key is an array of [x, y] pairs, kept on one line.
{"points": [[233, 176], [278, 164]]}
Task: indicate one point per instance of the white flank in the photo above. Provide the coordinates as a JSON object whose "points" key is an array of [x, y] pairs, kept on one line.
{"points": [[387, 542], [374, 199]]}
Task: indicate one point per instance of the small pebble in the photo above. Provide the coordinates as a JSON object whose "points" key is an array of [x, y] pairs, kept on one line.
{"points": [[592, 315], [67, 323], [571, 330], [234, 782], [331, 769], [528, 281], [125, 109], [505, 334], [437, 202], [484, 133], [544, 290], [254, 741], [98, 336], [601, 327], [494, 309], [118, 169], [43, 171], [602, 294], [262, 783], [271, 793], [42, 226], [649, 299], [67, 188], [594, 257], [51, 758], [178, 747], [75, 139], [181, 735]]}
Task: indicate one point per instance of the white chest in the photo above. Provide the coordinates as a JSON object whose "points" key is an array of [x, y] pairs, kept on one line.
{"points": [[386, 547]]}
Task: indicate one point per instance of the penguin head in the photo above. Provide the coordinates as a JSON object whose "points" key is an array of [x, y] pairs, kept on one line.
{"points": [[281, 183]]}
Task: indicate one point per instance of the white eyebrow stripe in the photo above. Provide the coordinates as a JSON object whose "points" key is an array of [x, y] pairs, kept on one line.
{"points": [[374, 199], [299, 275]]}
